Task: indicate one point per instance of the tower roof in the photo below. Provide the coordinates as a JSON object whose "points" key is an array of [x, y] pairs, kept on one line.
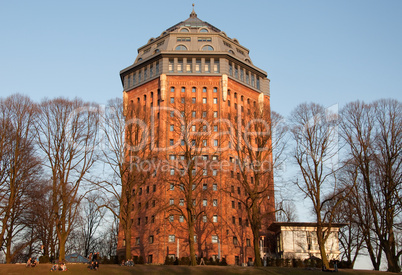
{"points": [[193, 22]]}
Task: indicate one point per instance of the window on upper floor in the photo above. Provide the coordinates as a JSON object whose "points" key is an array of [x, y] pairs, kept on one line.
{"points": [[207, 48], [181, 48]]}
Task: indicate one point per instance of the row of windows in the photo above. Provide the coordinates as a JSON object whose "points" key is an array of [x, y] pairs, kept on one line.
{"points": [[197, 65], [172, 239], [193, 89], [194, 100], [146, 220], [142, 75], [193, 143], [203, 157], [193, 128], [204, 185], [204, 202], [147, 188], [184, 29], [153, 203], [204, 218], [244, 75], [182, 47]]}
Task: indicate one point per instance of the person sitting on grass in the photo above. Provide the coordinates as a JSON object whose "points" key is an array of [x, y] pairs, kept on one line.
{"points": [[54, 267], [33, 263], [63, 267], [29, 262]]}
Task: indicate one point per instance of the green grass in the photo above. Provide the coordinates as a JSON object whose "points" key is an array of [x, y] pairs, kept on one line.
{"points": [[81, 269]]}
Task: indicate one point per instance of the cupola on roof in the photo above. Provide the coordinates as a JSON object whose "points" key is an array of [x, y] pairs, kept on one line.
{"points": [[193, 22]]}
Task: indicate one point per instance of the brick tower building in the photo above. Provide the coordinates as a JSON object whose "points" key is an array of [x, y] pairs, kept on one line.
{"points": [[195, 90]]}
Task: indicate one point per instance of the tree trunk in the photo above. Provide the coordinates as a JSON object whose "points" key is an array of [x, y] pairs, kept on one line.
{"points": [[128, 242], [62, 247], [321, 244], [191, 242]]}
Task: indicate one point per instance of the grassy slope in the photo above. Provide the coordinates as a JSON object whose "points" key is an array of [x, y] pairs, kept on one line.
{"points": [[80, 269]]}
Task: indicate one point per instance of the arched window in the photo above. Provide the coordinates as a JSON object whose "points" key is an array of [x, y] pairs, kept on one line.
{"points": [[207, 48], [157, 51], [204, 30], [181, 48], [184, 30], [232, 52]]}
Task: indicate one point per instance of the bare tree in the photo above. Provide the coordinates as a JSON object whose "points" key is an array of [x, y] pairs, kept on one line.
{"points": [[286, 211], [19, 167], [252, 142], [128, 145], [92, 218], [314, 132], [373, 133], [192, 165], [67, 136]]}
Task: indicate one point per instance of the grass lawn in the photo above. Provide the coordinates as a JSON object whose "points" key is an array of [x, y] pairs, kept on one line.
{"points": [[81, 269]]}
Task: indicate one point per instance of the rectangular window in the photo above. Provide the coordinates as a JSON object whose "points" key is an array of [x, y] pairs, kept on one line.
{"points": [[252, 80], [215, 218], [215, 142], [172, 185], [171, 218], [180, 65], [215, 202], [193, 100], [151, 239], [171, 238], [172, 100], [183, 89], [204, 114], [171, 201], [157, 68], [137, 241], [151, 71], [233, 204], [214, 172], [171, 128], [193, 113], [183, 39], [241, 75], [204, 186], [204, 90], [216, 66], [181, 202], [235, 240], [215, 128], [215, 187], [171, 142], [230, 69], [248, 243], [145, 73], [204, 218], [189, 66], [198, 65], [215, 100], [214, 239], [204, 202], [171, 63], [236, 72], [204, 100], [181, 219], [207, 66]]}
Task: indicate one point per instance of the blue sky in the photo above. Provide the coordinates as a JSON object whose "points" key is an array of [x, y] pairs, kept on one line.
{"points": [[330, 52]]}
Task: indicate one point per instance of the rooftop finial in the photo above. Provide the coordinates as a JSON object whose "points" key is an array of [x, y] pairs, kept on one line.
{"points": [[193, 14]]}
